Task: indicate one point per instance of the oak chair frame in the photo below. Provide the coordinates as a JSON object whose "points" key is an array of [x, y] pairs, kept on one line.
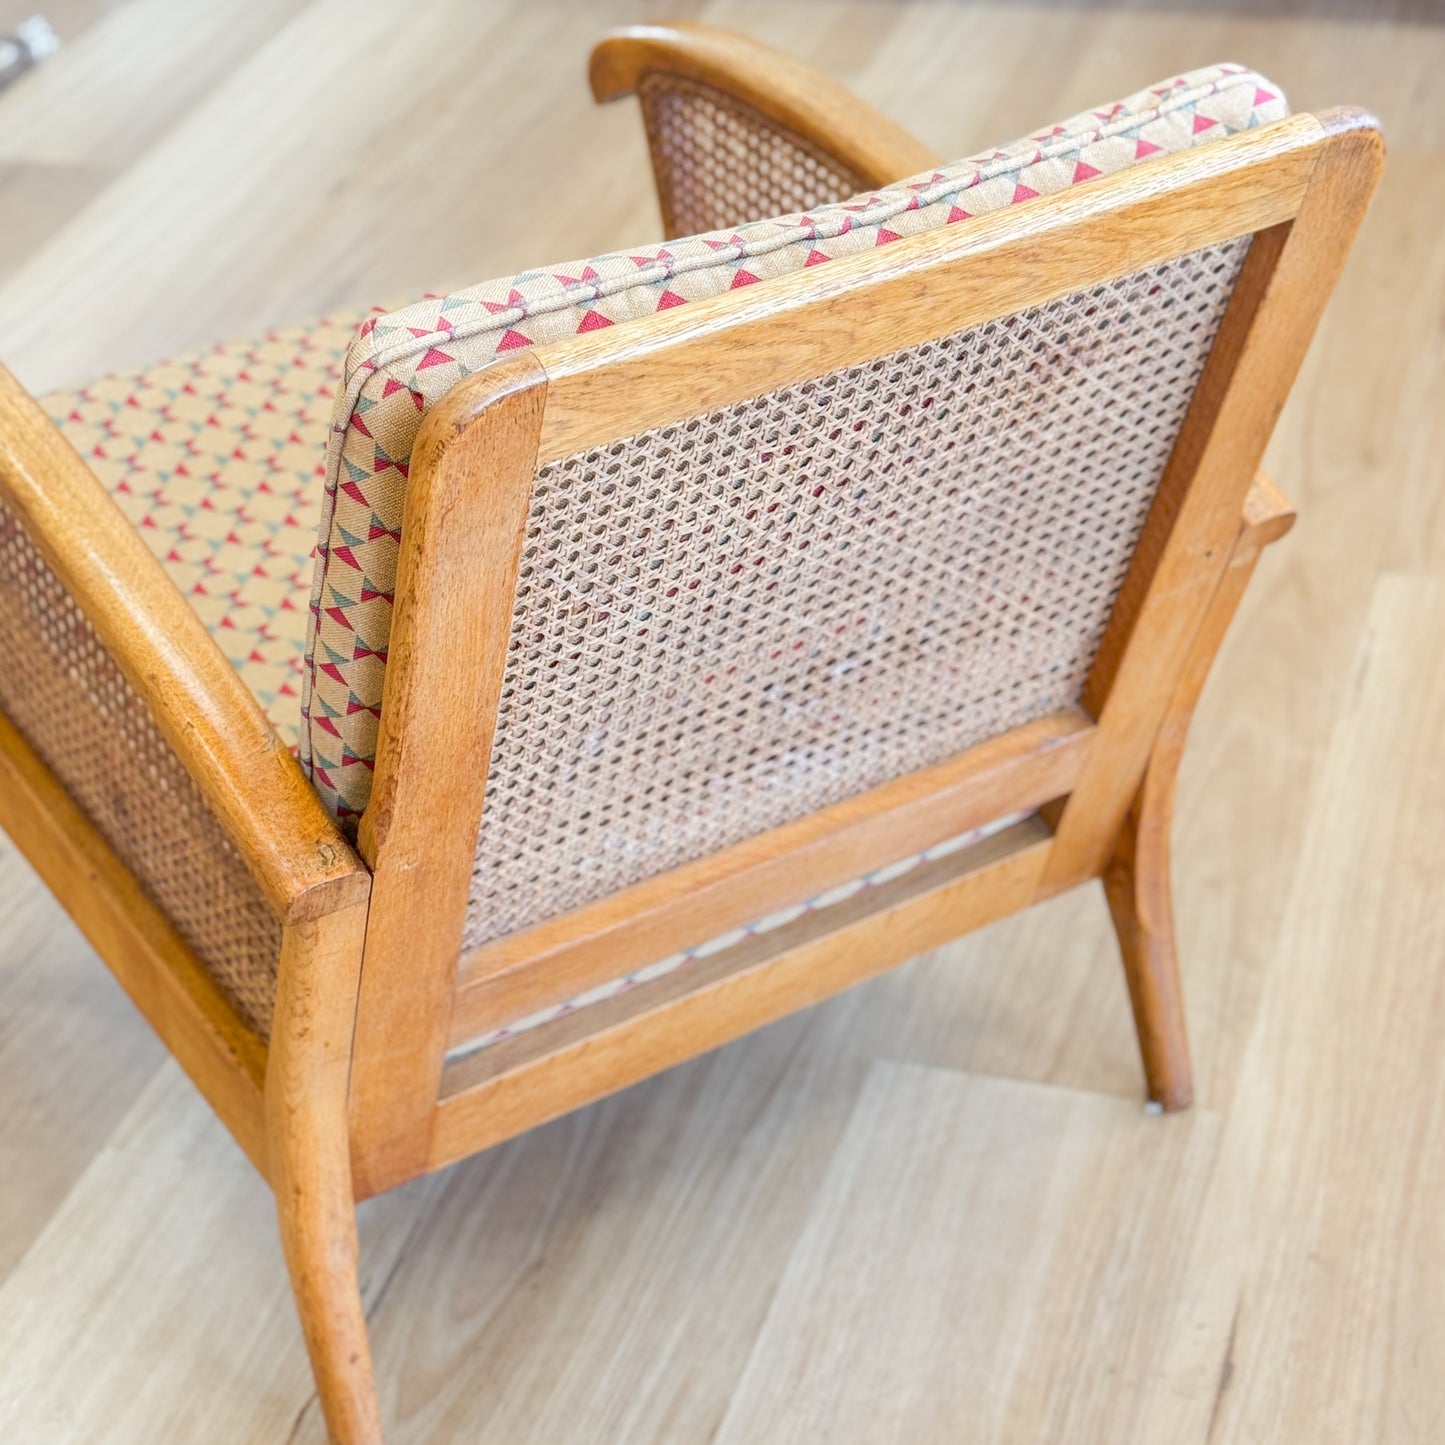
{"points": [[355, 1093]]}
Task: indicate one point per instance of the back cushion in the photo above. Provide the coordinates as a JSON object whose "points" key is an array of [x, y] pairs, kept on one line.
{"points": [[956, 446]]}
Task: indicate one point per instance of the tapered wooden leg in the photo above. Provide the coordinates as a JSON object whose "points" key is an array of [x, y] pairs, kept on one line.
{"points": [[1136, 877], [1136, 883], [309, 1163]]}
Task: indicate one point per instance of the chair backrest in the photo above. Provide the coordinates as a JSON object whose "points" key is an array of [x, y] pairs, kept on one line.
{"points": [[700, 616], [726, 623], [403, 362]]}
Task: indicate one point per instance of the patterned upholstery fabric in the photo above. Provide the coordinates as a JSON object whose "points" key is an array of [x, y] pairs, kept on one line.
{"points": [[402, 362], [217, 460]]}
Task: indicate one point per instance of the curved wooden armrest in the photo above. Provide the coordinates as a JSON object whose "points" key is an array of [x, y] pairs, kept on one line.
{"points": [[256, 789], [789, 93]]}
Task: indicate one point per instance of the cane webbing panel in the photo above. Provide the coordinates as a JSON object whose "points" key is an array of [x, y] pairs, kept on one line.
{"points": [[64, 692], [720, 163], [728, 623]]}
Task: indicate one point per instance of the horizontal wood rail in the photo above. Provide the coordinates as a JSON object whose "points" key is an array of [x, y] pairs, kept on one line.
{"points": [[917, 289], [560, 958], [998, 877]]}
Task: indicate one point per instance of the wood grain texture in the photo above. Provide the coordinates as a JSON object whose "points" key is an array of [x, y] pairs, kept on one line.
{"points": [[560, 958], [466, 513], [71, 1074], [605, 1278], [98, 1348], [153, 1200], [119, 90], [1315, 1283], [996, 1308]]}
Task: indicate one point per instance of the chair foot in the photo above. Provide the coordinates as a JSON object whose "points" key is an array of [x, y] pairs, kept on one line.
{"points": [[309, 1165], [1136, 883], [318, 1236]]}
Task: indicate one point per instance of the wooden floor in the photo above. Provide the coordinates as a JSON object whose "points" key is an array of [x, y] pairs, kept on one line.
{"points": [[932, 1210]]}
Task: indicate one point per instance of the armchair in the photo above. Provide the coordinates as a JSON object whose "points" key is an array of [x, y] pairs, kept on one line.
{"points": [[695, 631]]}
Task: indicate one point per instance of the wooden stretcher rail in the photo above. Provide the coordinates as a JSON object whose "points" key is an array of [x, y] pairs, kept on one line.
{"points": [[1016, 772], [997, 877]]}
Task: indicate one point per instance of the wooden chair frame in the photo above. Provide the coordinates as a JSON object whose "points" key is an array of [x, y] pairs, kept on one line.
{"points": [[354, 1092]]}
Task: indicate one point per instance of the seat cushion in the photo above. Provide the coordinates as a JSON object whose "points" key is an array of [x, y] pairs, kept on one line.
{"points": [[403, 361], [218, 462]]}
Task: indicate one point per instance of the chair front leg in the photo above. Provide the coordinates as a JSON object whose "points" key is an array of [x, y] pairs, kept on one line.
{"points": [[309, 1163]]}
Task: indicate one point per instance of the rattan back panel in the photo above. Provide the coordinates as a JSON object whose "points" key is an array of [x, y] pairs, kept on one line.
{"points": [[64, 692], [728, 623], [719, 163]]}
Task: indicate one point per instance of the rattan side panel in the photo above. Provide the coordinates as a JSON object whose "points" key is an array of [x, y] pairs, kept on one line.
{"points": [[720, 163], [64, 692], [729, 623]]}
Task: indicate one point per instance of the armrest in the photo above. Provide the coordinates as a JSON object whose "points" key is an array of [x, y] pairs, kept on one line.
{"points": [[820, 132], [204, 712]]}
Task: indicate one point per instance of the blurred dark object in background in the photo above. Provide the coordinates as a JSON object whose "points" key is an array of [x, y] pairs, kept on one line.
{"points": [[30, 43]]}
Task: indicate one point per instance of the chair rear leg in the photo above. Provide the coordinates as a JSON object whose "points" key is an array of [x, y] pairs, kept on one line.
{"points": [[1136, 877], [1137, 885], [309, 1163]]}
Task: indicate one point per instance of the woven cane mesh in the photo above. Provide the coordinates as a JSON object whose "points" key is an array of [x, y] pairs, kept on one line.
{"points": [[725, 624], [63, 691], [719, 163]]}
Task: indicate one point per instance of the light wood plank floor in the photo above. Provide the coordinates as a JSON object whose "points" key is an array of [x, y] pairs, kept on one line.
{"points": [[931, 1210]]}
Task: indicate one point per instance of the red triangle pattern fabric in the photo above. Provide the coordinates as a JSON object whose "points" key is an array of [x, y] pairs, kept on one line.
{"points": [[217, 461]]}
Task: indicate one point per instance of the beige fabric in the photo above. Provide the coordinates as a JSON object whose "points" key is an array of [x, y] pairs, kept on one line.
{"points": [[217, 460]]}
